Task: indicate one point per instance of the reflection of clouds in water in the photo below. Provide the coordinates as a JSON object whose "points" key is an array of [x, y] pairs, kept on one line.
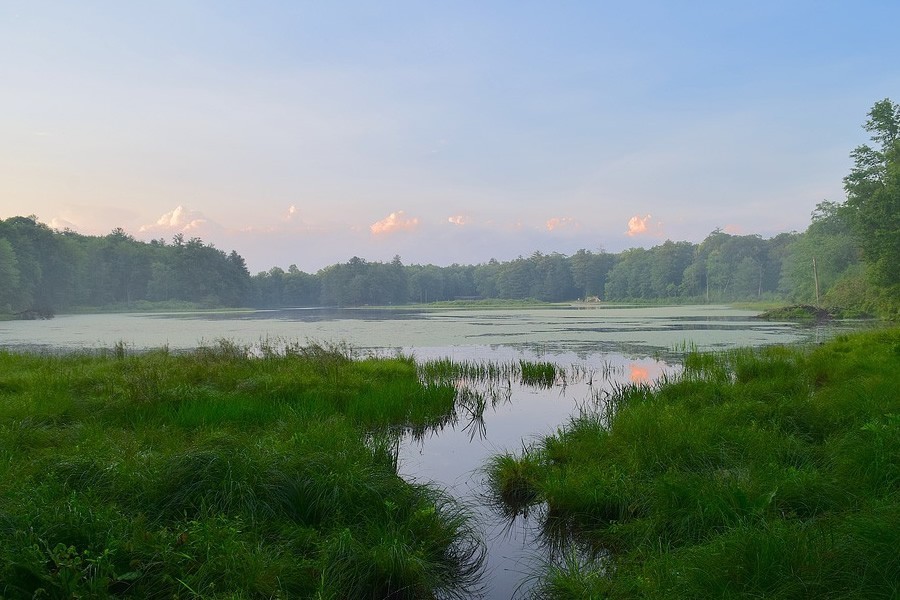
{"points": [[649, 370], [638, 373]]}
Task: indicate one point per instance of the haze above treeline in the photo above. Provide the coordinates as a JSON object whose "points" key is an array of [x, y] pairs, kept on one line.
{"points": [[848, 257]]}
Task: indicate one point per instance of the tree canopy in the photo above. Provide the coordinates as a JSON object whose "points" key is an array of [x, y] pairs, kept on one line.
{"points": [[873, 193]]}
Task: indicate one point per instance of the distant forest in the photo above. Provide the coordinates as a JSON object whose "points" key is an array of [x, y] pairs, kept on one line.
{"points": [[848, 257], [46, 270]]}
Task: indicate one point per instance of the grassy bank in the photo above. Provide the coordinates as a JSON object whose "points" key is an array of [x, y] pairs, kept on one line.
{"points": [[214, 475], [771, 473]]}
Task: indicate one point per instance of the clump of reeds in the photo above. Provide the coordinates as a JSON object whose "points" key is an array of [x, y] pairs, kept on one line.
{"points": [[515, 478], [539, 374]]}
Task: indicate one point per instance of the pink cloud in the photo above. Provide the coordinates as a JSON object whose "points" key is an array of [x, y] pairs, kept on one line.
{"points": [[394, 222], [734, 229], [561, 223], [638, 225], [178, 220], [459, 220]]}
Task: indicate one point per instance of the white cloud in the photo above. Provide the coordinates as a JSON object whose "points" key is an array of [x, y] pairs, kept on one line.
{"points": [[60, 224], [179, 220], [396, 221]]}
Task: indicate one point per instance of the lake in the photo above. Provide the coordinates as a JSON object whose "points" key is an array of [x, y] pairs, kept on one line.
{"points": [[584, 330], [599, 347]]}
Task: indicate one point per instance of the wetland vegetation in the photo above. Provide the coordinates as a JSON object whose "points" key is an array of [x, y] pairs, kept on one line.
{"points": [[271, 470], [213, 474], [753, 473], [255, 468]]}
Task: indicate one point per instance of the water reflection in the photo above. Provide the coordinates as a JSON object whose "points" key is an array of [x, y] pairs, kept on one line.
{"points": [[501, 411], [638, 374]]}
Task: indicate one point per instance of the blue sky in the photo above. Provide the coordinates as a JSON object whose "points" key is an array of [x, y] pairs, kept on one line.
{"points": [[310, 132]]}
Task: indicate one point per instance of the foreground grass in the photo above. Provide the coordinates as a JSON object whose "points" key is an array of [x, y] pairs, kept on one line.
{"points": [[213, 475], [771, 473]]}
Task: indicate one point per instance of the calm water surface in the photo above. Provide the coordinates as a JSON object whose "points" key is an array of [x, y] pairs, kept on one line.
{"points": [[585, 331], [612, 345]]}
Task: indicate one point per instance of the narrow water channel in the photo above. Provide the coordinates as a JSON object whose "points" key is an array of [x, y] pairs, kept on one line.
{"points": [[454, 457]]}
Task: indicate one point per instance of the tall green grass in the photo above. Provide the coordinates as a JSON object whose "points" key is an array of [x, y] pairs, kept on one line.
{"points": [[769, 473], [229, 471], [528, 373]]}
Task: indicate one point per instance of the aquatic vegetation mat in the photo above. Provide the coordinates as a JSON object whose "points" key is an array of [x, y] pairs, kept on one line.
{"points": [[753, 473], [214, 474]]}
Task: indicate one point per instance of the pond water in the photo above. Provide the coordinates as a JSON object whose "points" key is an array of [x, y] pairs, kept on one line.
{"points": [[600, 347], [584, 330]]}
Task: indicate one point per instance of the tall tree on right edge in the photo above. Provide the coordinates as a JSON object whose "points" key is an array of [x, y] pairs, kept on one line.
{"points": [[873, 194]]}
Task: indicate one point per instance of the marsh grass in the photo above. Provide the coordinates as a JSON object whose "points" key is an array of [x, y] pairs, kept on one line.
{"points": [[230, 471], [525, 372], [768, 473]]}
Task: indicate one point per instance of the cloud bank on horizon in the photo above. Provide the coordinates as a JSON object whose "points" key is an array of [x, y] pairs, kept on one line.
{"points": [[293, 132]]}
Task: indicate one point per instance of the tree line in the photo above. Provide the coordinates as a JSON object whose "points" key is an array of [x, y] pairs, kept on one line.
{"points": [[849, 256], [47, 271], [722, 268]]}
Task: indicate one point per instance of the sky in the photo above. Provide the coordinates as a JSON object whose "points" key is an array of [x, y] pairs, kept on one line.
{"points": [[307, 133]]}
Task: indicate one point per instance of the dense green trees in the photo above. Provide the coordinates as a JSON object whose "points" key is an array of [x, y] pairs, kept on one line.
{"points": [[824, 253], [41, 268], [428, 283], [9, 277], [51, 270], [359, 282], [589, 272], [41, 263], [873, 211], [873, 194], [723, 267]]}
